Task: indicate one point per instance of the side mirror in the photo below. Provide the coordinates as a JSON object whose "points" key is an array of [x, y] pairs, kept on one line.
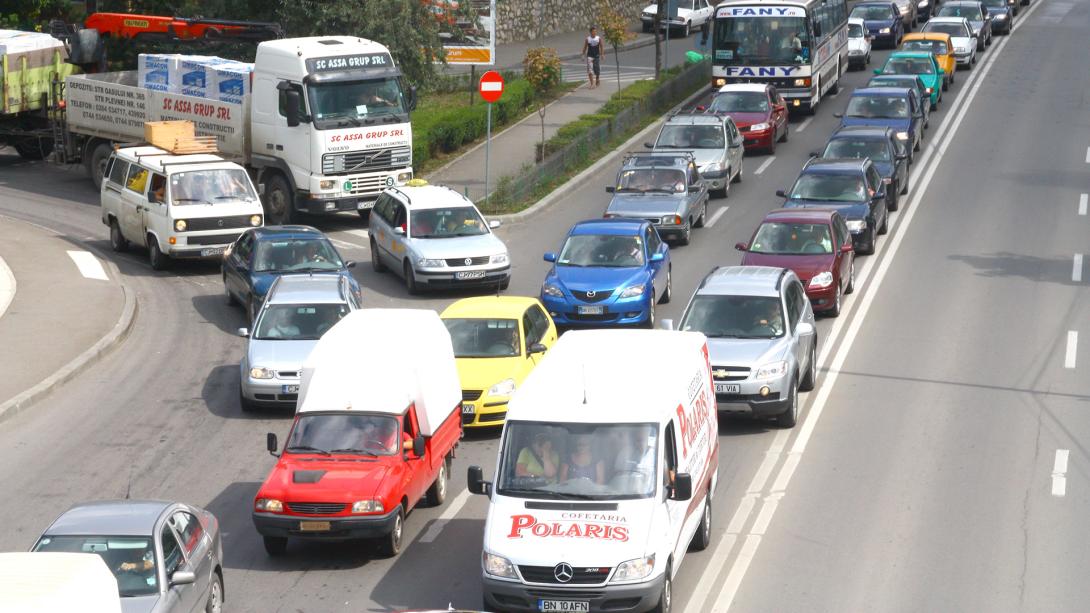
{"points": [[683, 487], [901, 156], [610, 189], [550, 256], [814, 154], [293, 104], [183, 577], [271, 443], [658, 256], [666, 324], [649, 145], [741, 246], [494, 223], [805, 328], [418, 446], [350, 264], [781, 193], [536, 348], [847, 248], [399, 231], [476, 483], [701, 108], [244, 332], [696, 187], [877, 71]]}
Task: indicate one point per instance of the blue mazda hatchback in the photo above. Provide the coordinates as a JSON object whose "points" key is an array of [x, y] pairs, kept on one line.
{"points": [[609, 272]]}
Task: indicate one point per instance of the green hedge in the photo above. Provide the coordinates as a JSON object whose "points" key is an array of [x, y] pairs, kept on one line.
{"points": [[445, 130]]}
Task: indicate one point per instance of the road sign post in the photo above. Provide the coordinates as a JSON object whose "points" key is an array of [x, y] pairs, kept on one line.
{"points": [[490, 88]]}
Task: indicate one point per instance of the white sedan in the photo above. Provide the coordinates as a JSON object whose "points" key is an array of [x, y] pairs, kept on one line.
{"points": [[691, 14]]}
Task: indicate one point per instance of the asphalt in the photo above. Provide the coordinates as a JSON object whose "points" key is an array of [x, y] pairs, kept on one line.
{"points": [[927, 486]]}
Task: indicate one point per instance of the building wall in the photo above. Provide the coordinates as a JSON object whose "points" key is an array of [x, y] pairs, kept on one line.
{"points": [[517, 20]]}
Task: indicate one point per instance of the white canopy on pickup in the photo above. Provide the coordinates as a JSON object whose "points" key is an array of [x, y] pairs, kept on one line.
{"points": [[52, 581]]}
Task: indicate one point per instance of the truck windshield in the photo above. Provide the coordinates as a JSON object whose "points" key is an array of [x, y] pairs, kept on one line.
{"points": [[761, 40], [735, 316], [356, 102], [130, 558], [579, 461], [484, 338], [345, 433], [211, 186]]}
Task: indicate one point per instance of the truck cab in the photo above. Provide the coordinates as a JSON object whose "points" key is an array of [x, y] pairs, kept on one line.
{"points": [[178, 206]]}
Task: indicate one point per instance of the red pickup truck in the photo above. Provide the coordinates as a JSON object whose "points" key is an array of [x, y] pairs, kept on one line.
{"points": [[378, 418]]}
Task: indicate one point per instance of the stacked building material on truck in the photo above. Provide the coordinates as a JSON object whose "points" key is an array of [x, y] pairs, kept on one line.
{"points": [[201, 76], [29, 62]]}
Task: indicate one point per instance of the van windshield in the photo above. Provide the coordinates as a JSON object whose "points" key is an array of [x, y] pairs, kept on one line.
{"points": [[579, 461], [211, 186]]}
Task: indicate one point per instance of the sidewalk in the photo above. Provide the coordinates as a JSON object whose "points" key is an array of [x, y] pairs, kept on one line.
{"points": [[513, 147]]}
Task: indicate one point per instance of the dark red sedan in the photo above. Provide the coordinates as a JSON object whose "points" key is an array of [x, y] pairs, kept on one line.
{"points": [[815, 244], [757, 109]]}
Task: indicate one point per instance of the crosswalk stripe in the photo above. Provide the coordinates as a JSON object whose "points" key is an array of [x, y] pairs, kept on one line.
{"points": [[88, 265]]}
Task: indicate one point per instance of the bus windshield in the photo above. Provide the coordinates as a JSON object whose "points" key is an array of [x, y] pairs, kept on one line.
{"points": [[762, 40]]}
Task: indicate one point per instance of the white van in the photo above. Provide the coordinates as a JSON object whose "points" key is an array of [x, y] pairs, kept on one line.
{"points": [[178, 206], [606, 469], [54, 581]]}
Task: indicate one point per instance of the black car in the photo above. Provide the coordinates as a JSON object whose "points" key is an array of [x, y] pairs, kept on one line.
{"points": [[883, 22], [1001, 13], [880, 146], [854, 188]]}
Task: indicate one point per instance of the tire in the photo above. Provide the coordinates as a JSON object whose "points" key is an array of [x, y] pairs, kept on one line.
{"points": [[741, 171], [807, 383], [916, 146], [790, 417], [870, 243], [157, 259], [390, 544], [365, 214], [437, 493], [650, 323], [245, 403], [772, 145], [786, 132], [953, 75], [215, 595], [703, 215], [833, 312], [686, 237], [720, 193], [410, 279], [884, 228], [851, 278], [666, 597], [703, 536], [251, 309], [688, 29], [669, 293], [227, 295], [377, 264], [895, 202], [904, 188], [95, 163], [275, 545], [31, 148], [118, 242], [835, 88], [279, 201]]}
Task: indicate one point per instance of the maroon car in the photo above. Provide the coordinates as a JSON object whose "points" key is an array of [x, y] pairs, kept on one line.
{"points": [[815, 244], [757, 109]]}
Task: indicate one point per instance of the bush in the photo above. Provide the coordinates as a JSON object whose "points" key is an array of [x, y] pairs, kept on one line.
{"points": [[542, 68]]}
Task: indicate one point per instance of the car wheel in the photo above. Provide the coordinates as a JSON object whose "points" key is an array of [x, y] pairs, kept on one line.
{"points": [[666, 597], [741, 170], [245, 403], [916, 145], [227, 295], [790, 417], [437, 493], [684, 238], [871, 241], [410, 279], [772, 145], [650, 323], [275, 545], [810, 379], [868, 58], [669, 293], [390, 545], [833, 311], [117, 240], [884, 228], [279, 201], [851, 278], [251, 309], [953, 75], [157, 259], [703, 215], [688, 29], [96, 163], [786, 132], [904, 188], [703, 536], [215, 595], [895, 199], [376, 260]]}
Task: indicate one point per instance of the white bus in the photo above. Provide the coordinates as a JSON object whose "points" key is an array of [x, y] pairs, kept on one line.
{"points": [[800, 46]]}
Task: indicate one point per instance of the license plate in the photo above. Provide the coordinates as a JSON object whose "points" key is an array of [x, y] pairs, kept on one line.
{"points": [[289, 389], [469, 274], [361, 205], [563, 605], [212, 251], [591, 310], [727, 388], [314, 526], [467, 409]]}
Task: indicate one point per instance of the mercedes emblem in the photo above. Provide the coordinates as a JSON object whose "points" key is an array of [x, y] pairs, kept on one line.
{"points": [[220, 222], [469, 261], [563, 572], [590, 293]]}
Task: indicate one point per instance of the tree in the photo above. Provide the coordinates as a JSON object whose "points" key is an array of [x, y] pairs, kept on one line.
{"points": [[660, 16], [33, 15], [615, 32]]}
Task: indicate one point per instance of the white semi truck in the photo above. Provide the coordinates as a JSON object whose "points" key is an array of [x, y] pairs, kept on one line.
{"points": [[324, 127]]}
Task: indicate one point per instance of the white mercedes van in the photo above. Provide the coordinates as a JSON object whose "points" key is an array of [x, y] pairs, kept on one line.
{"points": [[606, 469], [178, 206]]}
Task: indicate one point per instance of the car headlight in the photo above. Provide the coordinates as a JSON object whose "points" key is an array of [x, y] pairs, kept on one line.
{"points": [[270, 505], [757, 127], [367, 506], [499, 258], [804, 82], [772, 370], [929, 91], [404, 177], [327, 184], [632, 291], [819, 281], [634, 570], [258, 372], [903, 9], [255, 220], [430, 263], [902, 135], [503, 388], [498, 566], [180, 225], [856, 225], [712, 167], [1001, 16], [552, 290], [884, 31]]}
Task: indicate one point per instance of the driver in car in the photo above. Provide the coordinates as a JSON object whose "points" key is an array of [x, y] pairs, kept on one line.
{"points": [[312, 253], [280, 325], [538, 459], [139, 562], [768, 321]]}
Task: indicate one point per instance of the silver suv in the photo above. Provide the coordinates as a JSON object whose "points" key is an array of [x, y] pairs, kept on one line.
{"points": [[761, 339]]}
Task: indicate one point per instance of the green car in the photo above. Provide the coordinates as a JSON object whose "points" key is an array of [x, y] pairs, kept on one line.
{"points": [[921, 64]]}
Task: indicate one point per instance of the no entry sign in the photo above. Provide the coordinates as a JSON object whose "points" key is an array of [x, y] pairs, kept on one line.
{"points": [[491, 86]]}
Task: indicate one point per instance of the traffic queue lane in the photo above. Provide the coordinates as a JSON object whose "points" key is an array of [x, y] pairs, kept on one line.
{"points": [[159, 417]]}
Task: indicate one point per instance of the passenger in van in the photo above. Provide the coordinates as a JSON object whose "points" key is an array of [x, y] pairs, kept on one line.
{"points": [[581, 463], [539, 459], [158, 187]]}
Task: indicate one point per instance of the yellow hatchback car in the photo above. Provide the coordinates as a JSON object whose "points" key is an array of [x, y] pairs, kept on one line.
{"points": [[940, 45], [497, 342]]}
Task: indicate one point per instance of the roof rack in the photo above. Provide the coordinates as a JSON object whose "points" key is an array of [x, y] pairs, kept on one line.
{"points": [[661, 153], [779, 279]]}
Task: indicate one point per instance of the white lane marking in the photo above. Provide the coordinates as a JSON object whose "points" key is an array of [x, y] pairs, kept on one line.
{"points": [[932, 155], [1088, 155], [716, 216], [88, 265], [364, 234], [1076, 268], [1072, 349], [452, 509], [802, 126], [7, 287], [1059, 473], [1083, 200], [346, 245], [765, 164]]}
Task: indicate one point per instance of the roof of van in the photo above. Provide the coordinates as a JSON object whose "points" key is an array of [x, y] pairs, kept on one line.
{"points": [[159, 159], [55, 581], [596, 376]]}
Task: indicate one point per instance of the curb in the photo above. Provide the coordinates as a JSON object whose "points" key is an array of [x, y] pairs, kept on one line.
{"points": [[571, 184], [97, 351]]}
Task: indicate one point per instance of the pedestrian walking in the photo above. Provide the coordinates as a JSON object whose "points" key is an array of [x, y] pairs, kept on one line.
{"points": [[594, 52]]}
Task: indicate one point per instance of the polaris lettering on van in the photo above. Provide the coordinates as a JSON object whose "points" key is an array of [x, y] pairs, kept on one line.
{"points": [[694, 421], [571, 525]]}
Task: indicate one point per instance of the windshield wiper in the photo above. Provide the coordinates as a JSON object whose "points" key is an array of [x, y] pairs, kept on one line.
{"points": [[191, 200], [355, 451], [517, 491], [306, 448]]}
